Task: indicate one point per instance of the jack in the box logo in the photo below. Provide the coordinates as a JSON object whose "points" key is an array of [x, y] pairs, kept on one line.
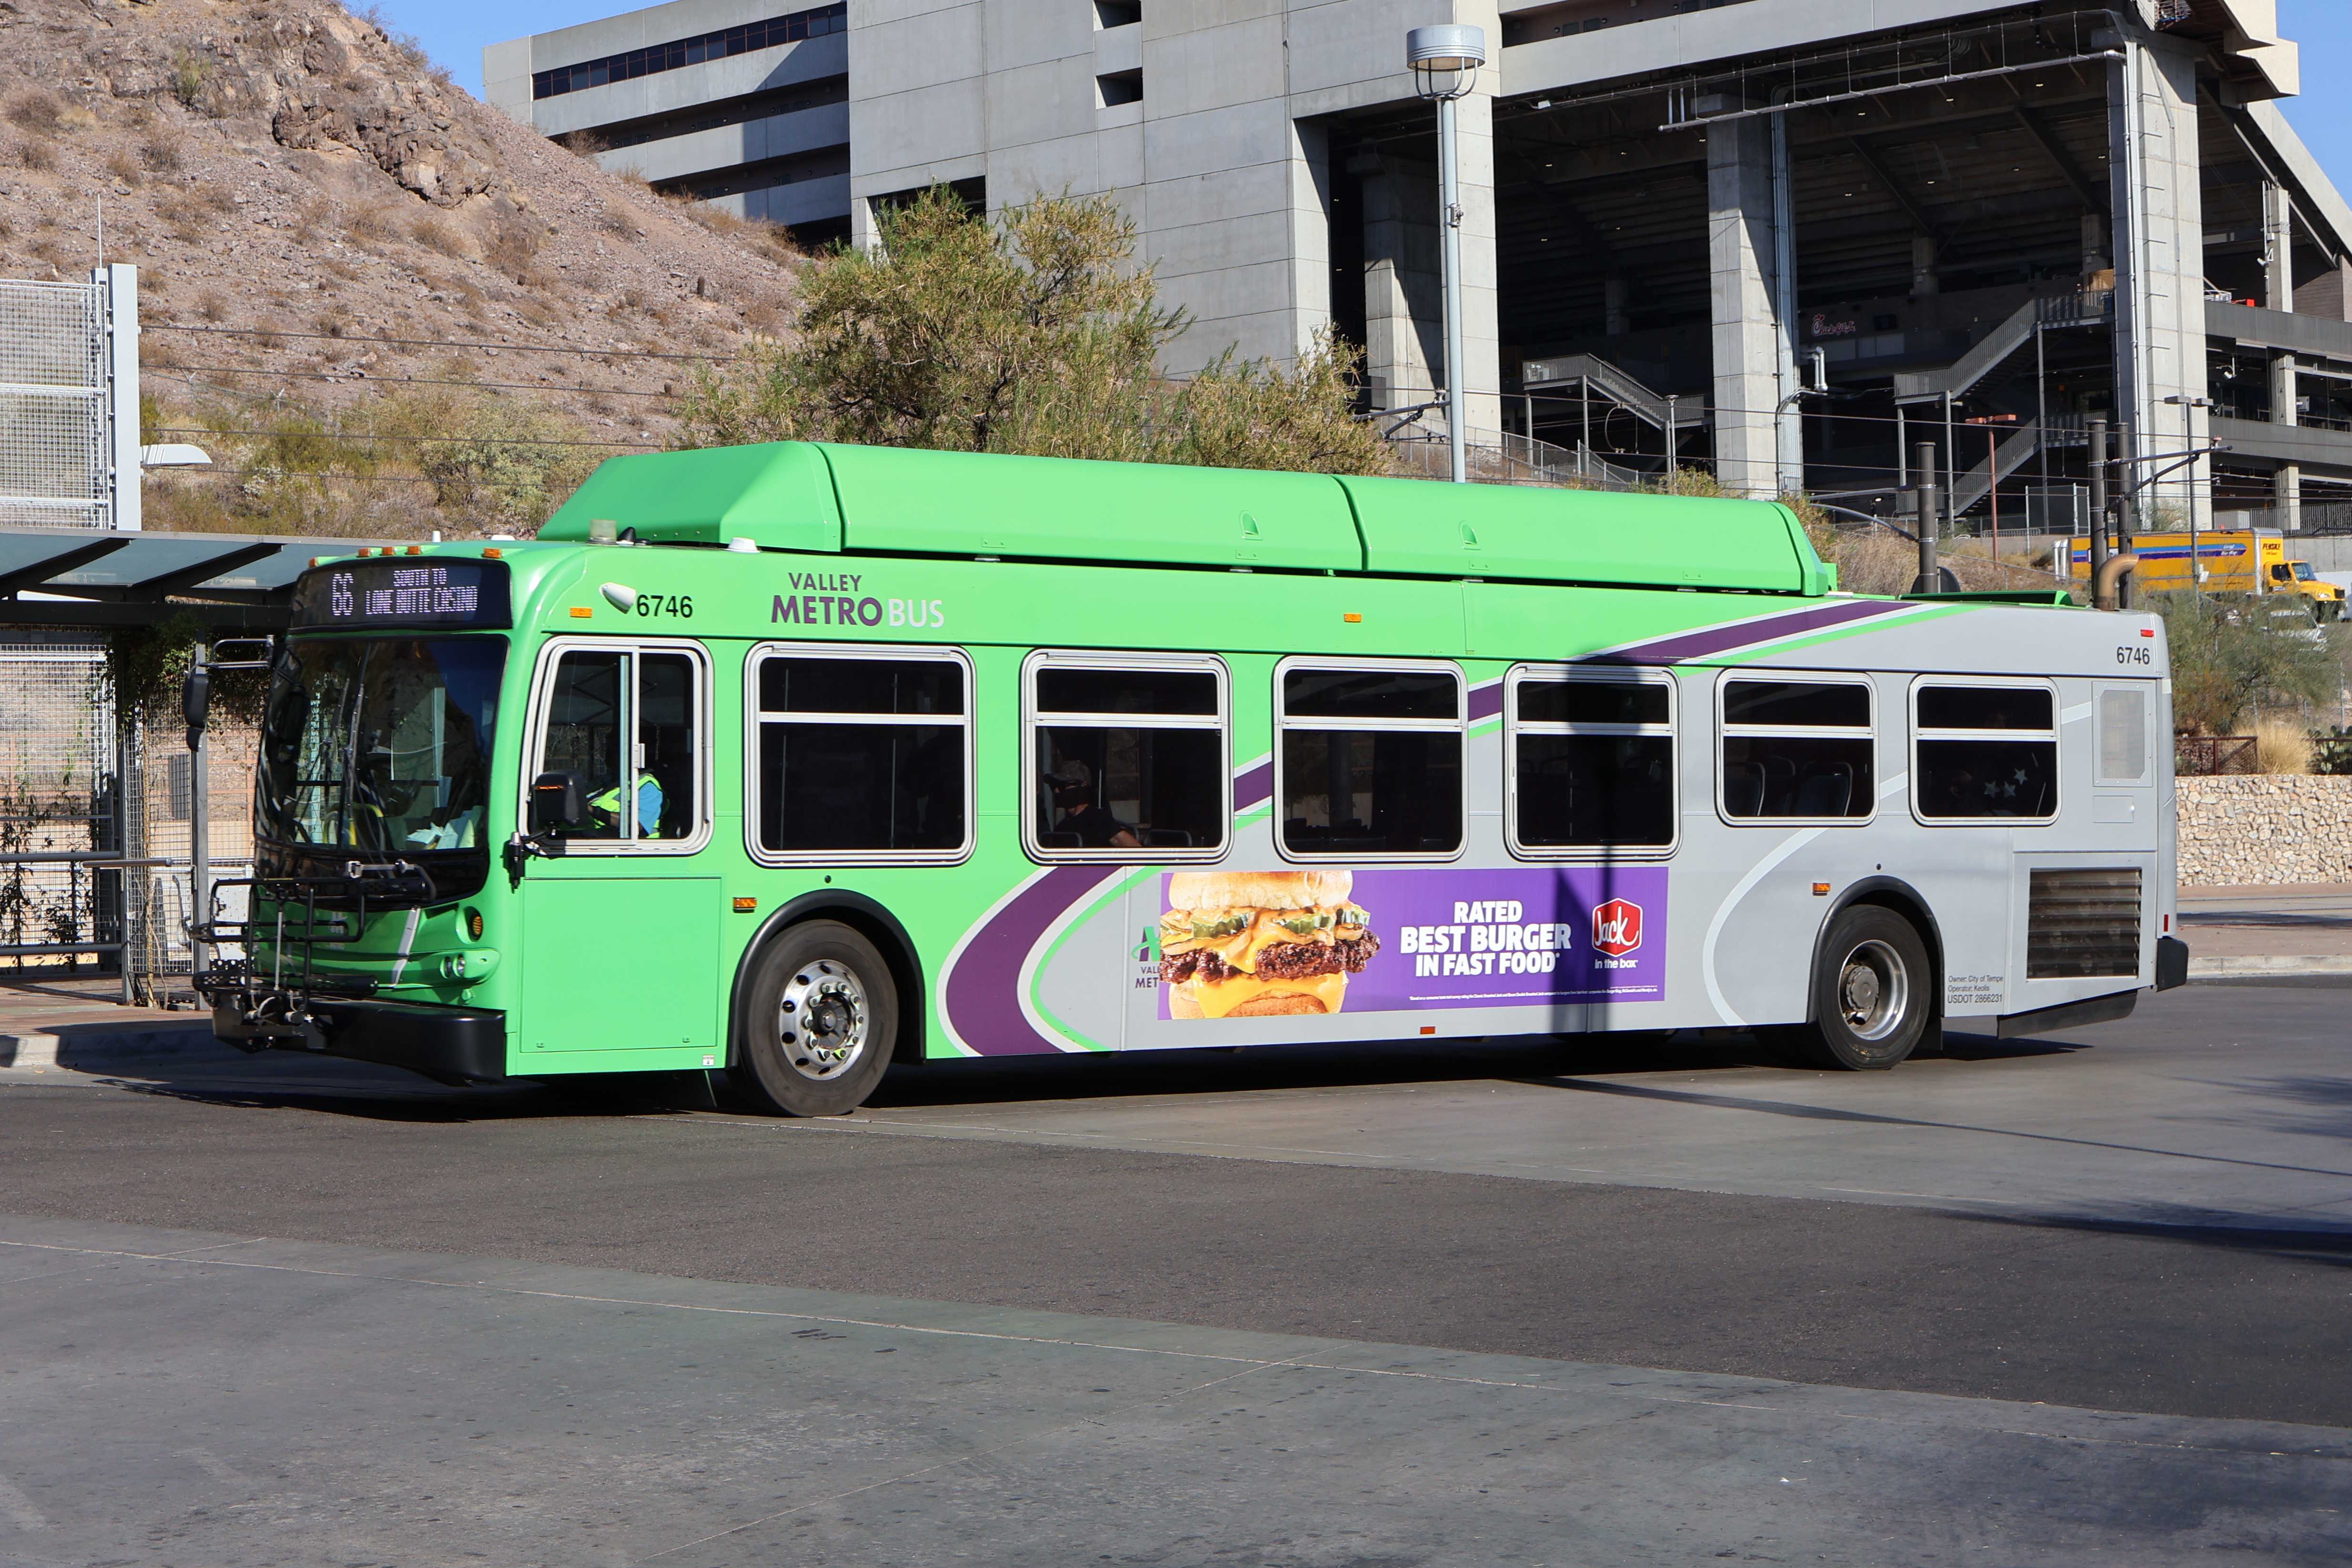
{"points": [[1617, 927]]}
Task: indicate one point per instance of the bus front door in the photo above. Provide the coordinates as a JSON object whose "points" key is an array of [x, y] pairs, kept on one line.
{"points": [[621, 925]]}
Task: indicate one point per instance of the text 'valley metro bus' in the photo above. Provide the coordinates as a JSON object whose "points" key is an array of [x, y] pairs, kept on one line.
{"points": [[798, 759]]}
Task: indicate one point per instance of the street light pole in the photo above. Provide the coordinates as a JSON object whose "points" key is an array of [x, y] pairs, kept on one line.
{"points": [[1445, 61]]}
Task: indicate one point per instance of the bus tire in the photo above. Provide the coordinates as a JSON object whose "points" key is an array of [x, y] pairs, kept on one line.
{"points": [[1874, 992], [819, 1022]]}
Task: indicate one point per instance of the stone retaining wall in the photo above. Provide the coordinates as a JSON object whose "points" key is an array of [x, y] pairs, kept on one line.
{"points": [[2269, 829]]}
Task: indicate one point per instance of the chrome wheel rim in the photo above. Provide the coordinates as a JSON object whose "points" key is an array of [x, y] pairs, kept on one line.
{"points": [[1874, 991], [823, 1020]]}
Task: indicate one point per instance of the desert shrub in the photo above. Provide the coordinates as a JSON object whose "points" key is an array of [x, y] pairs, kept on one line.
{"points": [[2283, 744], [35, 153], [370, 224], [513, 246], [191, 75], [502, 463], [438, 233], [125, 167], [160, 155], [2231, 657], [1032, 332], [37, 111]]}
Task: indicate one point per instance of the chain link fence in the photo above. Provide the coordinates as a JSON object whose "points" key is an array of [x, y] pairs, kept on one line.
{"points": [[61, 808]]}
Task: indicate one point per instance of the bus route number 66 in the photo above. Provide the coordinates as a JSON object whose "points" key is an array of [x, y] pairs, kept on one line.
{"points": [[2134, 654], [680, 605]]}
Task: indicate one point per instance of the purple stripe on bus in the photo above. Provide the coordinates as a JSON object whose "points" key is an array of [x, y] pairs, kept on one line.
{"points": [[982, 991], [1722, 638], [1254, 786], [1486, 700]]}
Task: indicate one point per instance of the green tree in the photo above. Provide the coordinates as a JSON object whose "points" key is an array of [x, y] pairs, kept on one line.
{"points": [[1030, 332], [2232, 654]]}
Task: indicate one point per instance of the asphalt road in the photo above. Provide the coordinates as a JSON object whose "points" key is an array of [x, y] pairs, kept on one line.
{"points": [[2152, 1217]]}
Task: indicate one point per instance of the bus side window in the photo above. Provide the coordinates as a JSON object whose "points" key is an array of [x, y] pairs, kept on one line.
{"points": [[1592, 761], [1368, 761], [1798, 750], [861, 758], [586, 719], [2123, 736], [1984, 752], [625, 723], [666, 712], [1127, 758]]}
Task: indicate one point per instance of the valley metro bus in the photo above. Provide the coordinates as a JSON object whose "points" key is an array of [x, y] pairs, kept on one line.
{"points": [[795, 760]]}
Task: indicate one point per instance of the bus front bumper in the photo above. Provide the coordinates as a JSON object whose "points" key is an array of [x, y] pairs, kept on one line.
{"points": [[449, 1045]]}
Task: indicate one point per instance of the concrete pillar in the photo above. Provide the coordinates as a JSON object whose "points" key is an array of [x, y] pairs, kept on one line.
{"points": [[2286, 383], [864, 231], [2157, 173], [1481, 330], [1404, 309], [1743, 252], [1310, 235], [1924, 259], [2329, 293], [1789, 426]]}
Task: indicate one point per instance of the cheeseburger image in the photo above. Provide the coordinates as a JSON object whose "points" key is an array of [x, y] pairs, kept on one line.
{"points": [[1261, 944]]}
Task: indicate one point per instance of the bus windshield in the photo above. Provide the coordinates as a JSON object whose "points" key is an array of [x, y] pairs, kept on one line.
{"points": [[381, 745]]}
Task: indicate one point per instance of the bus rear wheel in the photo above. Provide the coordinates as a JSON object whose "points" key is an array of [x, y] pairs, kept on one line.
{"points": [[820, 1022], [1872, 992]]}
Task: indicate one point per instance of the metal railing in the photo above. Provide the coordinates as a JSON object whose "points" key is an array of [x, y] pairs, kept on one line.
{"points": [[2207, 755], [1507, 458]]}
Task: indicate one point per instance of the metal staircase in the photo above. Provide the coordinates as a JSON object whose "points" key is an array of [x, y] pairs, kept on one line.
{"points": [[1598, 375], [1970, 488]]}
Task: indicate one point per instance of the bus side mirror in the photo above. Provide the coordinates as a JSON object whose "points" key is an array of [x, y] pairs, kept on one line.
{"points": [[555, 802], [195, 702]]}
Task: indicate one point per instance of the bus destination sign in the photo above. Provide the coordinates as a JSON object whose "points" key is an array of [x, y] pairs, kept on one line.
{"points": [[392, 595]]}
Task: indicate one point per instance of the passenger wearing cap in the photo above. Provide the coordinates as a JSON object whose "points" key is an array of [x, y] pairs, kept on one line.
{"points": [[1074, 800]]}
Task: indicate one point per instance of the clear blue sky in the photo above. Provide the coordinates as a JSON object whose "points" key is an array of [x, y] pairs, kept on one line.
{"points": [[454, 32]]}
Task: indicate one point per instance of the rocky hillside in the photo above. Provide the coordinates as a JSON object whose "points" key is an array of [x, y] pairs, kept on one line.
{"points": [[335, 242]]}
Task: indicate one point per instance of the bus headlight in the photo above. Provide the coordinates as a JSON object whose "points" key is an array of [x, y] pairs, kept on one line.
{"points": [[473, 966]]}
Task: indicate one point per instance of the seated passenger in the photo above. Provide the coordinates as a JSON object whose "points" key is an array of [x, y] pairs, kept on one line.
{"points": [[1076, 812]]}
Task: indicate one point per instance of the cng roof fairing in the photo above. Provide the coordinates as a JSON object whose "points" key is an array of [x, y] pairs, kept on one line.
{"points": [[806, 497]]}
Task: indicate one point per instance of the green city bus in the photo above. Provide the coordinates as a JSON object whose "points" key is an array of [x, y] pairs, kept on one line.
{"points": [[794, 761]]}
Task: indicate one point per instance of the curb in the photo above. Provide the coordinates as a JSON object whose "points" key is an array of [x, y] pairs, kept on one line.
{"points": [[2240, 968], [41, 1050]]}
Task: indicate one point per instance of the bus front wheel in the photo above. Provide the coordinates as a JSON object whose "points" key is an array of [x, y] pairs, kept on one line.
{"points": [[1872, 992], [820, 1022]]}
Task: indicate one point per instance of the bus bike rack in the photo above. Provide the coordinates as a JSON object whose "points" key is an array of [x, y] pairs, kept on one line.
{"points": [[277, 1011]]}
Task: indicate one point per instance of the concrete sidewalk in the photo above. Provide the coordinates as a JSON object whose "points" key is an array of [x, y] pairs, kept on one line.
{"points": [[78, 1023], [2251, 931]]}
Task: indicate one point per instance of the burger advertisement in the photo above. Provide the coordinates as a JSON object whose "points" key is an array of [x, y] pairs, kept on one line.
{"points": [[1312, 943]]}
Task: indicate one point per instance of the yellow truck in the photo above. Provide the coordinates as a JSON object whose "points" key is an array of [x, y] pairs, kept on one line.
{"points": [[2229, 560]]}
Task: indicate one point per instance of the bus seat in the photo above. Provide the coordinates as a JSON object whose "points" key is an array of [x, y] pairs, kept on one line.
{"points": [[1059, 841], [1829, 793], [1163, 839], [1743, 790]]}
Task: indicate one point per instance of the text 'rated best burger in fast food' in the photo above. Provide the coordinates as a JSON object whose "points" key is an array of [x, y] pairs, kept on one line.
{"points": [[1263, 944]]}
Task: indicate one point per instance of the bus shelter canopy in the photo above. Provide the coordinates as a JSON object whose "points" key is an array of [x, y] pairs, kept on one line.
{"points": [[73, 577]]}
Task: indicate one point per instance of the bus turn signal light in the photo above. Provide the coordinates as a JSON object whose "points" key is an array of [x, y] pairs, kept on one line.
{"points": [[581, 612], [1350, 617], [1821, 890], [746, 905]]}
